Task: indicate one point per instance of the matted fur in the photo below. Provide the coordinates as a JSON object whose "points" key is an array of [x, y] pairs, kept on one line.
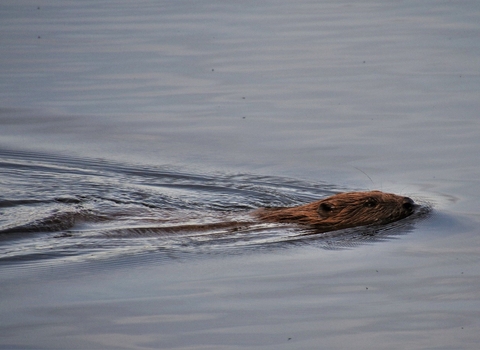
{"points": [[343, 210]]}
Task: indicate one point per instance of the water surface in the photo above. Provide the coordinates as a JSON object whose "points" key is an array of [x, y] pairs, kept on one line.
{"points": [[117, 119]]}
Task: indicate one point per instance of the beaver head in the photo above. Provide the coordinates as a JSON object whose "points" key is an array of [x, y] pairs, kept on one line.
{"points": [[344, 210]]}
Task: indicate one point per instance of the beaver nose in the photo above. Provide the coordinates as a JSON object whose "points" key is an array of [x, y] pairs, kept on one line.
{"points": [[408, 204]]}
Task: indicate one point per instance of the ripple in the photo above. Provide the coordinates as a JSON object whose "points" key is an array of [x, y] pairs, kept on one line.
{"points": [[57, 209]]}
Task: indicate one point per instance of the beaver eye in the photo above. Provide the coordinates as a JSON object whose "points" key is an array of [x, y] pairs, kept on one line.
{"points": [[371, 202]]}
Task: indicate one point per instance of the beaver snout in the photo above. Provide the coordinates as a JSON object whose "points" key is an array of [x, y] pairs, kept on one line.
{"points": [[408, 205]]}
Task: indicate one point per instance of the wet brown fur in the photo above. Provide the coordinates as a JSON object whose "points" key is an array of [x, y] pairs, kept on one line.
{"points": [[343, 210]]}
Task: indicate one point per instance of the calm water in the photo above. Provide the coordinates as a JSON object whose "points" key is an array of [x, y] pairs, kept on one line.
{"points": [[120, 121]]}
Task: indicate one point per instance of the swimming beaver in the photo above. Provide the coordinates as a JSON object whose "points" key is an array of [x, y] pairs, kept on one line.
{"points": [[343, 210]]}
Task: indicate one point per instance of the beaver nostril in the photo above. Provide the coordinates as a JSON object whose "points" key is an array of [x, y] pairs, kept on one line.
{"points": [[408, 204]]}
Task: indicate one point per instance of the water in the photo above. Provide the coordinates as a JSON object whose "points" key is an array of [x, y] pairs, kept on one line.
{"points": [[120, 122], [82, 209]]}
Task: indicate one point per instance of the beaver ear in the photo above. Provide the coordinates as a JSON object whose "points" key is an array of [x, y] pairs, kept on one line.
{"points": [[324, 209]]}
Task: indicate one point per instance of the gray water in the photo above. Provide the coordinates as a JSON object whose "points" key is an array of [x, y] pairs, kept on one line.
{"points": [[118, 119]]}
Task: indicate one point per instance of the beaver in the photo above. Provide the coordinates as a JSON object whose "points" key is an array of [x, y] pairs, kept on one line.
{"points": [[343, 210], [340, 211]]}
